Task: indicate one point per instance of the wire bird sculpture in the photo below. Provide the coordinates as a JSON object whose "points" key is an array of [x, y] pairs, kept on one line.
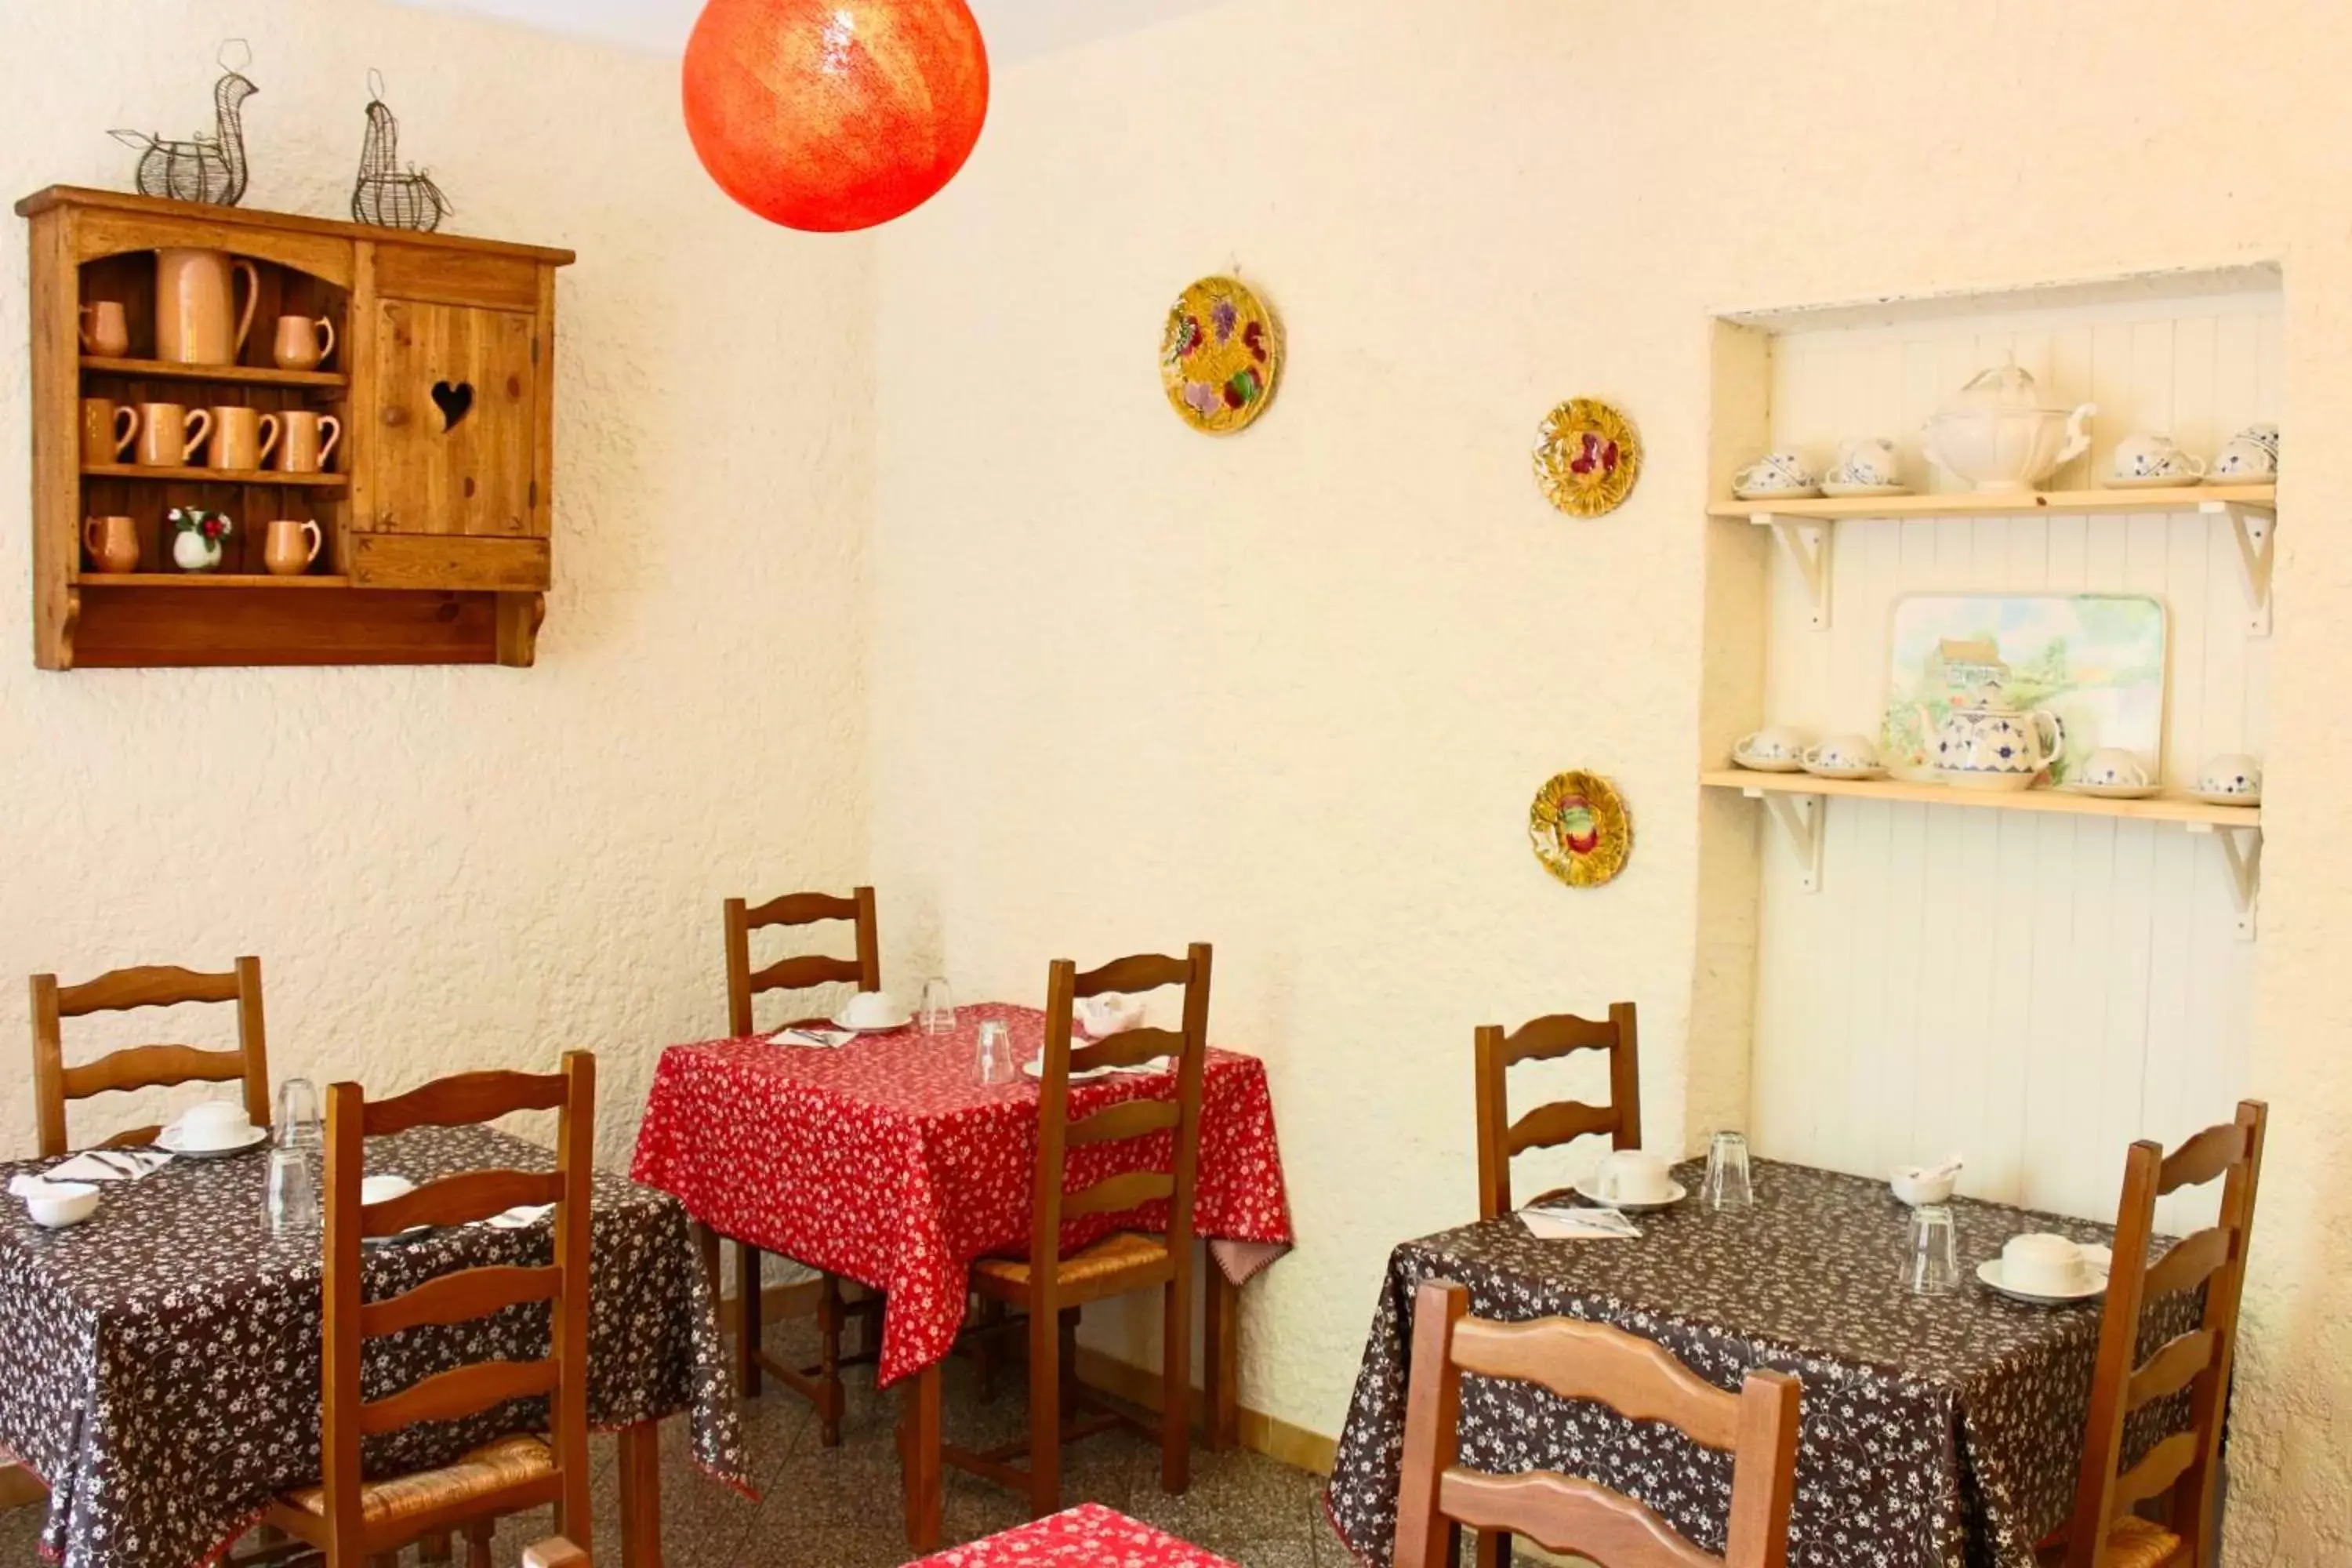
{"points": [[205, 168], [384, 196]]}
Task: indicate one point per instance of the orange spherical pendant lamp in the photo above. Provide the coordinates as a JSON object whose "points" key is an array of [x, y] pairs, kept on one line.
{"points": [[829, 115]]}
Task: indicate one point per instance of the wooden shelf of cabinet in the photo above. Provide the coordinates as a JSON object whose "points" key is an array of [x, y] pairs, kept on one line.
{"points": [[2002, 503], [235, 375], [436, 527], [215, 476], [214, 580], [2155, 808]]}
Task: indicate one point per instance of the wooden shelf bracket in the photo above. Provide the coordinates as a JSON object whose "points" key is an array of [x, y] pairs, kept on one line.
{"points": [[2256, 529], [2241, 854], [1808, 542], [1800, 817]]}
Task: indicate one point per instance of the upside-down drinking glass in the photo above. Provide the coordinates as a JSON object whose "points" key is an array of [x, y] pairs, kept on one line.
{"points": [[298, 1124], [938, 1009], [1728, 1185], [994, 1059], [1931, 1265]]}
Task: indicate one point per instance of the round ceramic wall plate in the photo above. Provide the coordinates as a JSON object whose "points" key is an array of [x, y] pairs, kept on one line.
{"points": [[2152, 482], [1587, 458], [1832, 489], [1580, 829], [2112, 792], [1220, 355]]}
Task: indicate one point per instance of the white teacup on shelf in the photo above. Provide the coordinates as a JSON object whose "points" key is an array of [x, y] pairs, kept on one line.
{"points": [[1864, 464], [2152, 458], [1842, 757], [2252, 456], [2114, 772], [1775, 749], [1775, 474], [2231, 779]]}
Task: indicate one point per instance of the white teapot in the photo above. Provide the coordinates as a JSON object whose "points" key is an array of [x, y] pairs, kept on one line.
{"points": [[1998, 435], [1983, 741]]}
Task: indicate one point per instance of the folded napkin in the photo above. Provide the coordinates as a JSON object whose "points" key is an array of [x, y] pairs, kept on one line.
{"points": [[816, 1040], [520, 1215], [1099, 1017], [109, 1166], [1578, 1224]]}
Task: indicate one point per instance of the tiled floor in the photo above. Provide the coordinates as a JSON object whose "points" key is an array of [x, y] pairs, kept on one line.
{"points": [[840, 1508]]}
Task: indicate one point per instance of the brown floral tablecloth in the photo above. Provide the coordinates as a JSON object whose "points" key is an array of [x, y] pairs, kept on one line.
{"points": [[1937, 1431], [159, 1365]]}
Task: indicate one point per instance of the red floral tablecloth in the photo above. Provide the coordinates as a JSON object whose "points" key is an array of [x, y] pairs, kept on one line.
{"points": [[889, 1162], [1087, 1536]]}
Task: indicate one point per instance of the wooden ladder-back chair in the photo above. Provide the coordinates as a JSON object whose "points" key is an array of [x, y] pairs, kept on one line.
{"points": [[1544, 1039], [355, 1521], [820, 1384], [1633, 1376], [2103, 1531], [1054, 1288], [144, 1067]]}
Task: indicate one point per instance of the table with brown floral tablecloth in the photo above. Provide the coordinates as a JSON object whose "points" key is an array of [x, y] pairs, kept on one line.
{"points": [[159, 1364], [1937, 1431]]}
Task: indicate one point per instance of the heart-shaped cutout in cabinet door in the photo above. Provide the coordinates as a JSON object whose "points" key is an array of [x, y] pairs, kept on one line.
{"points": [[454, 400]]}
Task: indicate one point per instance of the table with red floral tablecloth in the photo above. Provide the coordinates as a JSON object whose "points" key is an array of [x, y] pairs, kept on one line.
{"points": [[887, 1161], [1087, 1536]]}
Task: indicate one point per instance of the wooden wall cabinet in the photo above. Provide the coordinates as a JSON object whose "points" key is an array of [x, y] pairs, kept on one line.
{"points": [[435, 507]]}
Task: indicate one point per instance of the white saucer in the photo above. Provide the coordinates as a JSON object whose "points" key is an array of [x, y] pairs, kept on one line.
{"points": [[1872, 773], [1628, 1204], [1793, 492], [1842, 491], [2112, 792], [169, 1142], [1765, 765], [2152, 482], [2215, 797], [871, 1029], [1035, 1068], [2099, 1258]]}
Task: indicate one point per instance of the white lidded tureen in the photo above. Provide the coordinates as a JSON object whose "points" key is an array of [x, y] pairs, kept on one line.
{"points": [[1997, 433]]}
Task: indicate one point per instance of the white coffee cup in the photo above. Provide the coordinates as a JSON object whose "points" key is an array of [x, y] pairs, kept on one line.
{"points": [[873, 1010], [1782, 470], [384, 1189], [1841, 752], [2232, 773], [1773, 743], [2042, 1264], [1869, 461], [1634, 1176], [2252, 454], [2151, 455], [214, 1124], [2112, 767]]}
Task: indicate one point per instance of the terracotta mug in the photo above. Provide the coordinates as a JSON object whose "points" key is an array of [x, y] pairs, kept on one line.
{"points": [[242, 438], [310, 441], [108, 430], [303, 341], [196, 305], [289, 547], [171, 435], [105, 330], [112, 544]]}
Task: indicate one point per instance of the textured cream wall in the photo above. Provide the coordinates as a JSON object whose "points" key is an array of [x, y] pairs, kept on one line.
{"points": [[450, 868], [1291, 692]]}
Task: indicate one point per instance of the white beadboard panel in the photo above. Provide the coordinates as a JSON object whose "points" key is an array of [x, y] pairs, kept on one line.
{"points": [[2031, 992]]}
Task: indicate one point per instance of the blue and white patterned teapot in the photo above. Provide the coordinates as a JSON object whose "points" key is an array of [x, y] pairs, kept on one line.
{"points": [[1984, 743]]}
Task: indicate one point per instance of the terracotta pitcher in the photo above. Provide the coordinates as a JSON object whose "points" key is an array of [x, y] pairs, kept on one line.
{"points": [[290, 546], [196, 305], [112, 542]]}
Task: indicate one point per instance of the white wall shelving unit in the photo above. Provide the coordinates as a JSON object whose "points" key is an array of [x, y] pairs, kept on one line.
{"points": [[2032, 980]]}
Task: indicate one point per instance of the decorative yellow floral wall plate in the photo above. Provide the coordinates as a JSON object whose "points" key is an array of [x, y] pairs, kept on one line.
{"points": [[1580, 829], [1587, 458], [1222, 355]]}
